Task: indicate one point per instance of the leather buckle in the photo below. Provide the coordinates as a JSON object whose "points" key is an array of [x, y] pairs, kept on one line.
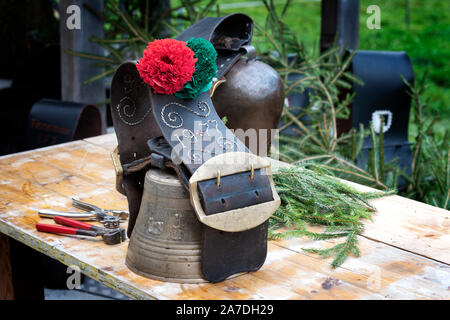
{"points": [[236, 220], [118, 169]]}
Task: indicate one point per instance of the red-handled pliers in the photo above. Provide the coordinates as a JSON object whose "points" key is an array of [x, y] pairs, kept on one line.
{"points": [[70, 226]]}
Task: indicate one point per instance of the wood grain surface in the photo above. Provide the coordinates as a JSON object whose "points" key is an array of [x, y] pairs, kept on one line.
{"points": [[405, 251]]}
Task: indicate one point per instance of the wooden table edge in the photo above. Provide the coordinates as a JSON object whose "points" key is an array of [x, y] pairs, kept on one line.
{"points": [[110, 280], [70, 260]]}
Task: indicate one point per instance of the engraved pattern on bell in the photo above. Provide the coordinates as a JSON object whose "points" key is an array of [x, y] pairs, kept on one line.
{"points": [[165, 243]]}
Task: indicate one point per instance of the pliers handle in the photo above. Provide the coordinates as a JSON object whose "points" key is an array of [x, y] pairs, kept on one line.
{"points": [[78, 224], [68, 226], [49, 213]]}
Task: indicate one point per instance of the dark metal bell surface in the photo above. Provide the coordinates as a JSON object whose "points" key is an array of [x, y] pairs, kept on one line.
{"points": [[166, 240], [252, 97]]}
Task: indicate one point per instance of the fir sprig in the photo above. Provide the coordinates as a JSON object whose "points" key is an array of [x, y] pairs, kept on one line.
{"points": [[310, 195]]}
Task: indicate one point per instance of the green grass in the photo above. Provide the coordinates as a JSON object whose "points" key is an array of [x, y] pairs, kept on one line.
{"points": [[426, 40]]}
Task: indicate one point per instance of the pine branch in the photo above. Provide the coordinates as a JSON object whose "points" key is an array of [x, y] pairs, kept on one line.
{"points": [[309, 195]]}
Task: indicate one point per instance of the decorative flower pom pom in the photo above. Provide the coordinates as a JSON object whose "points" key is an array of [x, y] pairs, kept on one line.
{"points": [[205, 69], [167, 65]]}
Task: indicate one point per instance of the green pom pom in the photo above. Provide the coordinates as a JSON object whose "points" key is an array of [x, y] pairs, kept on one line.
{"points": [[205, 69]]}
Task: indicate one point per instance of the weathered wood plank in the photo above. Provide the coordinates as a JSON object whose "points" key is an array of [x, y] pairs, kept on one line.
{"points": [[390, 272], [412, 226], [35, 183], [75, 70], [276, 280], [407, 224], [106, 141], [50, 177]]}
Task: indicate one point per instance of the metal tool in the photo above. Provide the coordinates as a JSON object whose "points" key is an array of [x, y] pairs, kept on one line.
{"points": [[74, 227], [108, 221], [121, 214], [93, 213]]}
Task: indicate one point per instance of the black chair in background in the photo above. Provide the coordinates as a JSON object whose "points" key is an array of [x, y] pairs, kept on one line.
{"points": [[383, 97]]}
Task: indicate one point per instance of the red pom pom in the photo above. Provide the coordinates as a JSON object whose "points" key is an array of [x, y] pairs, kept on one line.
{"points": [[167, 65]]}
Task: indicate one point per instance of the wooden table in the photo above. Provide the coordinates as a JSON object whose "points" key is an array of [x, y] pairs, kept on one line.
{"points": [[405, 251]]}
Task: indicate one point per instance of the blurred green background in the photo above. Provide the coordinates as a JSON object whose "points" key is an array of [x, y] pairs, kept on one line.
{"points": [[424, 35]]}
